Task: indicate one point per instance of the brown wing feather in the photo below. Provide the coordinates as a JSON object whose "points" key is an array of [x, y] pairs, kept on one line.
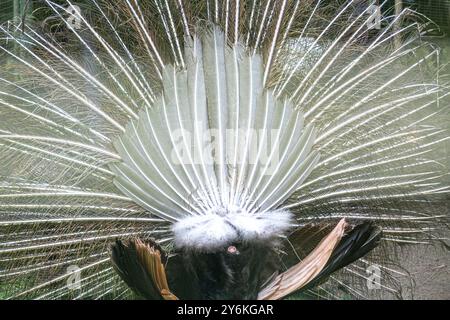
{"points": [[141, 265], [302, 273]]}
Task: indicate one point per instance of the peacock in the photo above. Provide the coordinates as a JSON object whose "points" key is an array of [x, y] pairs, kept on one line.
{"points": [[219, 149]]}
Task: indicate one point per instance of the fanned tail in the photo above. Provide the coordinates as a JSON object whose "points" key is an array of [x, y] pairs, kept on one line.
{"points": [[89, 111]]}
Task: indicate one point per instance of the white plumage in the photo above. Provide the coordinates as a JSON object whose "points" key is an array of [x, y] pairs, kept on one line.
{"points": [[221, 162], [212, 231], [142, 124]]}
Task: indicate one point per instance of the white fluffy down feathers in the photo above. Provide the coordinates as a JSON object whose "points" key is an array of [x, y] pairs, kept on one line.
{"points": [[240, 195], [211, 231]]}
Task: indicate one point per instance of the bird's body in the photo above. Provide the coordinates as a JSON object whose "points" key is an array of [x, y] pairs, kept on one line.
{"points": [[213, 149]]}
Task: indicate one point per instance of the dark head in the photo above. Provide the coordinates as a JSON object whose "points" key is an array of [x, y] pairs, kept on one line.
{"points": [[234, 271], [242, 269], [227, 256]]}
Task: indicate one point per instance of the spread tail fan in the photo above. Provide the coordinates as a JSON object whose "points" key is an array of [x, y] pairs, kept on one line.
{"points": [[233, 134], [160, 170]]}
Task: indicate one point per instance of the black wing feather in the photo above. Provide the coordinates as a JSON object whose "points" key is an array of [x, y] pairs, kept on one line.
{"points": [[354, 245], [126, 263]]}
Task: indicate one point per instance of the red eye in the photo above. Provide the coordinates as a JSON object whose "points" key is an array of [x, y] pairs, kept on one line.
{"points": [[232, 250]]}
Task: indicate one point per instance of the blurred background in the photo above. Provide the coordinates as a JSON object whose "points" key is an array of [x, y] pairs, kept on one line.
{"points": [[429, 266]]}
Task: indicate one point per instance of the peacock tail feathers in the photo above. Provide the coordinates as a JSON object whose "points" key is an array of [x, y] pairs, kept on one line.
{"points": [[211, 163], [104, 123]]}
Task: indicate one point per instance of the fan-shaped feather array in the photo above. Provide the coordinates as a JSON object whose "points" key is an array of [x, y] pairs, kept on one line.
{"points": [[193, 122]]}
